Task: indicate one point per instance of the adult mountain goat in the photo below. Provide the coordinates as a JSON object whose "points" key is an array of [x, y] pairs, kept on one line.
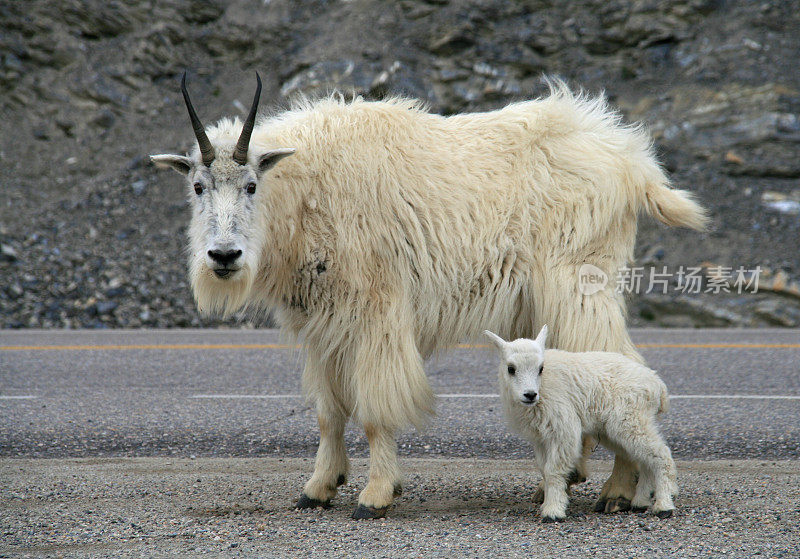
{"points": [[381, 233]]}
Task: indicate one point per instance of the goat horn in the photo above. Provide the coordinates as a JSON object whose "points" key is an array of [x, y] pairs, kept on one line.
{"points": [[240, 153], [206, 149]]}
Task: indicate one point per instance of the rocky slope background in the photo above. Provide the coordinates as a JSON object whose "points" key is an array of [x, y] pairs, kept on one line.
{"points": [[92, 236]]}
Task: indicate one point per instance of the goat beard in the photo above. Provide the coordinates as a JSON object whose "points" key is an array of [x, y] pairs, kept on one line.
{"points": [[220, 297]]}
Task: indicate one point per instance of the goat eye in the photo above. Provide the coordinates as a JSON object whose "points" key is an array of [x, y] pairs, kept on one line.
{"points": [[251, 188], [198, 188], [541, 369], [512, 370]]}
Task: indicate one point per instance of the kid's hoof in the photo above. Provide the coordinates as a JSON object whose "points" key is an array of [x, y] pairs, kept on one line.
{"points": [[306, 502], [599, 506], [620, 504], [549, 519], [369, 513], [639, 509], [575, 477], [664, 513]]}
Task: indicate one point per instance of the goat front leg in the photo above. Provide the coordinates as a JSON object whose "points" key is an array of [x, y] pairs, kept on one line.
{"points": [[554, 481], [558, 458], [331, 466], [554, 507], [577, 475], [385, 481], [391, 391]]}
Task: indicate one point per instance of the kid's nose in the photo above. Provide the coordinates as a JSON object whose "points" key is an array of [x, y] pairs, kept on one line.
{"points": [[529, 396]]}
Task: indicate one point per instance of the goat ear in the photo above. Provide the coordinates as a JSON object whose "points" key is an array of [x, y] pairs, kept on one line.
{"points": [[269, 159], [499, 342], [541, 339], [180, 163]]}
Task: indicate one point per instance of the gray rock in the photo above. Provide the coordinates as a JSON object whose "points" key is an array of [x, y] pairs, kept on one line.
{"points": [[104, 119], [324, 77], [105, 307], [8, 253], [138, 187]]}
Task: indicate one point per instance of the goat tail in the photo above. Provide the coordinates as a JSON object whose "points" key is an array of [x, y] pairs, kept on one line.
{"points": [[676, 208]]}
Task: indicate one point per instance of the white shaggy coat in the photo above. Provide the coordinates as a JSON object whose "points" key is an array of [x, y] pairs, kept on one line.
{"points": [[393, 233], [556, 398]]}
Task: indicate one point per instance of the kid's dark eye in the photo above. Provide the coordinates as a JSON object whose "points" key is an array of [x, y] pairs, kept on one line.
{"points": [[198, 188], [251, 188], [541, 369], [512, 370]]}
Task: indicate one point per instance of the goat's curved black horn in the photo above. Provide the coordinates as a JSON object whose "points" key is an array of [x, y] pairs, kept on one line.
{"points": [[206, 149], [240, 153]]}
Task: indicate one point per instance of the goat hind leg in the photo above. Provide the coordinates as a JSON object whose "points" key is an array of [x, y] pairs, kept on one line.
{"points": [[644, 490], [620, 488], [644, 444]]}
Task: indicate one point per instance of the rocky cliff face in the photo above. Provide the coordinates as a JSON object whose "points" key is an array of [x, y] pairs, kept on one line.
{"points": [[91, 235]]}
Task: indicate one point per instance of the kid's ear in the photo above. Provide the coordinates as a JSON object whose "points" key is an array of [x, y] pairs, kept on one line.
{"points": [[180, 163], [269, 159], [541, 339], [499, 342]]}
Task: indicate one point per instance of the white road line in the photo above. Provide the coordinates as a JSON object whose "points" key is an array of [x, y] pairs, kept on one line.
{"points": [[18, 397], [246, 396], [731, 397], [467, 395]]}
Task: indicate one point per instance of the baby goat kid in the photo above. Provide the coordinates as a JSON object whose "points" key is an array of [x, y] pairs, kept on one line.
{"points": [[554, 397]]}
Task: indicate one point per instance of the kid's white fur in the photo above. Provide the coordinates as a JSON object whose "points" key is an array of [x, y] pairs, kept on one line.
{"points": [[556, 398]]}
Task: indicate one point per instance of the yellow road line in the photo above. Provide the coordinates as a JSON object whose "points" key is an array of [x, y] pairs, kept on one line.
{"points": [[111, 347], [142, 346], [720, 346]]}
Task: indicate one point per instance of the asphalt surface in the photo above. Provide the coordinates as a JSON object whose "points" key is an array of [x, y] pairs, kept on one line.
{"points": [[146, 434], [735, 394]]}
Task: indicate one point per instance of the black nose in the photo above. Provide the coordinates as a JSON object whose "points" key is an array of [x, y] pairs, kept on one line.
{"points": [[529, 396], [224, 257]]}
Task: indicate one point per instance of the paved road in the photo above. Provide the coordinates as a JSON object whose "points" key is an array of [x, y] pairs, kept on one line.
{"points": [[735, 394], [136, 407]]}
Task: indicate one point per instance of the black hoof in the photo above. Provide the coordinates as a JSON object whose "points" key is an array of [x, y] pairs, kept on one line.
{"points": [[620, 504], [551, 519], [574, 477], [638, 509], [306, 502], [369, 513], [664, 513], [600, 505]]}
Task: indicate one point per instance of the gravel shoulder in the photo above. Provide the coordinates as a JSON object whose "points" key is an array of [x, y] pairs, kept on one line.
{"points": [[135, 507]]}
